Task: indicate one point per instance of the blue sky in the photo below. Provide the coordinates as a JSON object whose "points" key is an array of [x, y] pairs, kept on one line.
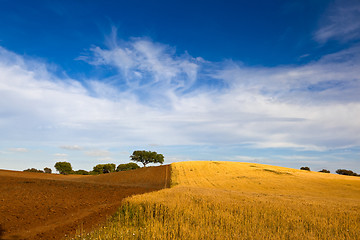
{"points": [[275, 82]]}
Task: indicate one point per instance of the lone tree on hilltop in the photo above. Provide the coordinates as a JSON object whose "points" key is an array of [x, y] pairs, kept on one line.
{"points": [[305, 168], [324, 171], [63, 167], [146, 157]]}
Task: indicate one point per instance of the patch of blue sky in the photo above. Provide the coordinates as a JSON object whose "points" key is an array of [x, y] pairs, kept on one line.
{"points": [[237, 29]]}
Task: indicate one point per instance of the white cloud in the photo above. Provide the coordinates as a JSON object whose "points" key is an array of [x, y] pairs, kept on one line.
{"points": [[311, 107], [71, 147], [147, 69], [154, 145], [340, 22], [173, 159], [61, 160], [245, 158], [98, 153], [19, 150], [298, 157], [106, 159], [62, 155]]}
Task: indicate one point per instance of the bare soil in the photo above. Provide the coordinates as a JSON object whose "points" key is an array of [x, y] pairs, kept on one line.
{"points": [[51, 206]]}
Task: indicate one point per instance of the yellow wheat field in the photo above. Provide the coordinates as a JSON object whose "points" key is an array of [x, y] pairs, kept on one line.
{"points": [[227, 200]]}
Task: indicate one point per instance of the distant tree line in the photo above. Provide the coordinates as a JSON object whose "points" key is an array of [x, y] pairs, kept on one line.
{"points": [[339, 171], [144, 157], [66, 168], [46, 170]]}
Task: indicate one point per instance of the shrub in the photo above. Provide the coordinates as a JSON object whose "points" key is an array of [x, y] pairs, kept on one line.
{"points": [[81, 172], [104, 168], [127, 166], [47, 170], [305, 168], [346, 172], [324, 171], [33, 170]]}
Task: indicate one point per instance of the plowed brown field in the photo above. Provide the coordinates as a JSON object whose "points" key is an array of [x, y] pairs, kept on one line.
{"points": [[50, 206]]}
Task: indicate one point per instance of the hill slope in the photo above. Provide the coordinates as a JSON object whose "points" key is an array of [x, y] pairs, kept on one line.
{"points": [[227, 200], [252, 177]]}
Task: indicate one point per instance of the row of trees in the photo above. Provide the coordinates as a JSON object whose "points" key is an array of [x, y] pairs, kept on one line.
{"points": [[339, 171], [46, 170], [144, 157], [66, 168]]}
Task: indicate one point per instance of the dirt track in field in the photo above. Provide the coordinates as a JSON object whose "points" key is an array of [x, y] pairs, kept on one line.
{"points": [[50, 206]]}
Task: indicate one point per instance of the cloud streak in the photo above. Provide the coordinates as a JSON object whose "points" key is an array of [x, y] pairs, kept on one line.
{"points": [[61, 155], [98, 153], [71, 147], [340, 22], [18, 150]]}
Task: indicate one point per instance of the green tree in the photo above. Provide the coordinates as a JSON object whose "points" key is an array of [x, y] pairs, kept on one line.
{"points": [[63, 167], [104, 168], [324, 171], [47, 170], [305, 168], [127, 166], [146, 157]]}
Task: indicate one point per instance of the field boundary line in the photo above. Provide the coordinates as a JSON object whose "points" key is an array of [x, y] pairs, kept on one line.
{"points": [[166, 175]]}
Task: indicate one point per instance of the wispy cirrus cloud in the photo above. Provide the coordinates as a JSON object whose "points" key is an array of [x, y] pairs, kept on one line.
{"points": [[146, 69], [340, 22]]}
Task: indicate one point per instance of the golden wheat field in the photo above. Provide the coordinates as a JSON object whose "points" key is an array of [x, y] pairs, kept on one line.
{"points": [[227, 200]]}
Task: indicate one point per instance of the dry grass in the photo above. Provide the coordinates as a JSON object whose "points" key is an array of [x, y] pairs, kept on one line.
{"points": [[225, 200]]}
